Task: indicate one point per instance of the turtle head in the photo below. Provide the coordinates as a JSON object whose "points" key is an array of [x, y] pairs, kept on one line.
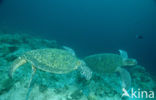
{"points": [[85, 70], [129, 62]]}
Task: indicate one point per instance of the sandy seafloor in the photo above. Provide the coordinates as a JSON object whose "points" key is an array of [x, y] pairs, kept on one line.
{"points": [[48, 86]]}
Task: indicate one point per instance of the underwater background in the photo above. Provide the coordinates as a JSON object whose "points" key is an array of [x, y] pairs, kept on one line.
{"points": [[88, 27]]}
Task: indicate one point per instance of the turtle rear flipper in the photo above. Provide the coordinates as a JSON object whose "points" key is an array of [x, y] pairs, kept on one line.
{"points": [[123, 54], [125, 78], [70, 50], [30, 82], [17, 63]]}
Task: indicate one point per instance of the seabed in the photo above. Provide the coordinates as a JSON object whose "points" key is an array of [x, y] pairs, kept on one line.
{"points": [[71, 86]]}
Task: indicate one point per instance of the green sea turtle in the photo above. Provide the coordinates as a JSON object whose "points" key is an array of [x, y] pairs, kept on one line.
{"points": [[59, 61], [109, 62]]}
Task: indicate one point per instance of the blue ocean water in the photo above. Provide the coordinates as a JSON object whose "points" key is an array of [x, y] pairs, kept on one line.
{"points": [[88, 26]]}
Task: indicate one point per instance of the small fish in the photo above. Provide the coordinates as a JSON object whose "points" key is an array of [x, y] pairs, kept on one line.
{"points": [[139, 36]]}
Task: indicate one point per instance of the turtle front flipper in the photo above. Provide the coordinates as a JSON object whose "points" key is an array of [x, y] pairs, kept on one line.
{"points": [[125, 77], [17, 63]]}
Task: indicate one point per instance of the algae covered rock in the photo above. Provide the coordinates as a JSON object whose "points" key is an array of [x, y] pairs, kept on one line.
{"points": [[142, 79], [6, 83]]}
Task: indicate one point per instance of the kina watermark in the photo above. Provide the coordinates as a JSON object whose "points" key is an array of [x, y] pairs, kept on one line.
{"points": [[138, 94]]}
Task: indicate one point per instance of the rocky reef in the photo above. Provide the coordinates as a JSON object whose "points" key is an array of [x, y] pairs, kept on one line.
{"points": [[48, 86]]}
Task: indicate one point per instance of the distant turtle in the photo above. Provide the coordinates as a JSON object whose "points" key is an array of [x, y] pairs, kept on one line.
{"points": [[109, 63], [52, 60]]}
